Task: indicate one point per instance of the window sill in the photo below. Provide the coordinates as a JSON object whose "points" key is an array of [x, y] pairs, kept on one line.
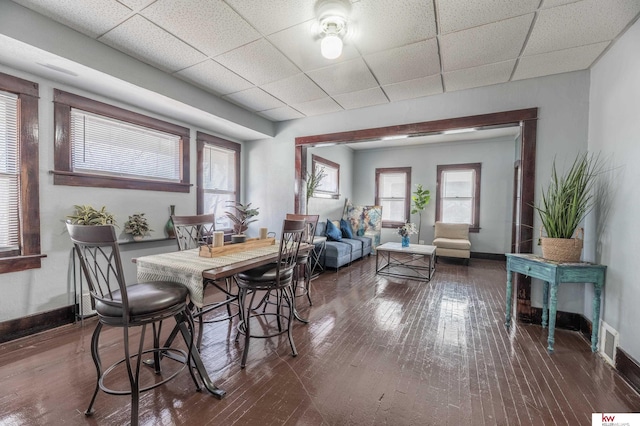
{"points": [[83, 179], [20, 263]]}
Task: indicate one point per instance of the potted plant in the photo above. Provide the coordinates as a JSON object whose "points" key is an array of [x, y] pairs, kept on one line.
{"points": [[87, 215], [420, 198], [313, 181], [241, 216], [138, 226], [565, 203]]}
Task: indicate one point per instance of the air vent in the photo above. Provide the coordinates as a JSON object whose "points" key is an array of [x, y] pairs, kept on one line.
{"points": [[86, 310], [608, 343]]}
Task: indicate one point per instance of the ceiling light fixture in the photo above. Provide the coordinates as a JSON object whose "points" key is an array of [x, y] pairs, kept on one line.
{"points": [[334, 28], [332, 23]]}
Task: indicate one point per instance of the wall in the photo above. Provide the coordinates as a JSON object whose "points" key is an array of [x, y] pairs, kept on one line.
{"points": [[614, 129], [562, 131], [496, 189], [51, 287], [330, 208]]}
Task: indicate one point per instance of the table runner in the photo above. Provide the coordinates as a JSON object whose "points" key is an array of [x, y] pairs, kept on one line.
{"points": [[186, 267]]}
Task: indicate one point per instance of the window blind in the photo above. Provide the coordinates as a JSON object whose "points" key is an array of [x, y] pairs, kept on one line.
{"points": [[105, 146], [9, 174]]}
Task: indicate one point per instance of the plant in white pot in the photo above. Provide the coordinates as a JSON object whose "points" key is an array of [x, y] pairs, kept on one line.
{"points": [[138, 226], [565, 203], [241, 216]]}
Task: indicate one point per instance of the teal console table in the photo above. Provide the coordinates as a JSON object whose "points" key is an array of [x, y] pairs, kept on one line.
{"points": [[553, 274]]}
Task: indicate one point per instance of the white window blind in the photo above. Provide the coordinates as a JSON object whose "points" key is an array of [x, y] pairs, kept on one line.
{"points": [[219, 182], [457, 196], [105, 146], [9, 174], [392, 196]]}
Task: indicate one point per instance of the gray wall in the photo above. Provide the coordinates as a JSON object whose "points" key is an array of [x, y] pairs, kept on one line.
{"points": [[496, 189], [329, 208], [614, 129]]}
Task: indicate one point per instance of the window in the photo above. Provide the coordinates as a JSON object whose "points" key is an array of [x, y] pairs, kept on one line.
{"points": [[106, 146], [393, 194], [19, 196], [458, 194], [218, 177], [330, 184]]}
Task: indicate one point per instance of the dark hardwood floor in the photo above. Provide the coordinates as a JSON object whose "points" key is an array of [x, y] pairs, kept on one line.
{"points": [[378, 350]]}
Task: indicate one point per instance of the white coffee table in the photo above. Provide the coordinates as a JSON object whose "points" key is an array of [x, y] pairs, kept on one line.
{"points": [[415, 262]]}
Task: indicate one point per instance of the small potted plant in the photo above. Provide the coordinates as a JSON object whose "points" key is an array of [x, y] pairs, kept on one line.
{"points": [[138, 226], [241, 216], [87, 215]]}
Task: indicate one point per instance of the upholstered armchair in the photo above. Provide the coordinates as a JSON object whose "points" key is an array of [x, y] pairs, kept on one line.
{"points": [[452, 240]]}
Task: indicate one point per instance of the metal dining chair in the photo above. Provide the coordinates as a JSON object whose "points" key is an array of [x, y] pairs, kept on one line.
{"points": [[303, 262], [193, 232], [129, 306], [271, 278]]}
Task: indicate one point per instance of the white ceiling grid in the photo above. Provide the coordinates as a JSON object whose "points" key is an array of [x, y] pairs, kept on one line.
{"points": [[265, 55]]}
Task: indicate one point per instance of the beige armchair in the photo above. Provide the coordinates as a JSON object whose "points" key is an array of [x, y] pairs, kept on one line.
{"points": [[452, 240]]}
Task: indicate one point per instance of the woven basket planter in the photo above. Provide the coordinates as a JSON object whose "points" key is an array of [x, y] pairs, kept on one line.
{"points": [[561, 249]]}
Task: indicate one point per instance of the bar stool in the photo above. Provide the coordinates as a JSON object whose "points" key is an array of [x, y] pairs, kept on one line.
{"points": [[272, 278]]}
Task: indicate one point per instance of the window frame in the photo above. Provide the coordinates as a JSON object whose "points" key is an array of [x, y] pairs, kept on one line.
{"points": [[30, 255], [407, 197], [323, 162], [477, 168], [203, 139], [63, 173]]}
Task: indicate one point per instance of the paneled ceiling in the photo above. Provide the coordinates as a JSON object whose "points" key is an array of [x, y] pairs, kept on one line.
{"points": [[264, 55]]}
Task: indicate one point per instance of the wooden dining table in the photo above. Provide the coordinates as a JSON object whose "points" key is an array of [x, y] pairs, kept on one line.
{"points": [[187, 267]]}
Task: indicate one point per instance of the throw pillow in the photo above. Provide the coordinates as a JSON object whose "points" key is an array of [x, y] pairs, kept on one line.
{"points": [[345, 227], [333, 233]]}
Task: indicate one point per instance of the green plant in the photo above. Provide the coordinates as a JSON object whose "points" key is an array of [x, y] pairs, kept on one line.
{"points": [[568, 199], [137, 224], [241, 216], [87, 215], [420, 198], [313, 181]]}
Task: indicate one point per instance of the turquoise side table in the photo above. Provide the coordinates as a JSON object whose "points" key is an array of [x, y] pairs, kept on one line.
{"points": [[553, 274]]}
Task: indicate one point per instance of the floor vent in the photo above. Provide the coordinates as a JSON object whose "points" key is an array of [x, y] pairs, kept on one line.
{"points": [[85, 305], [608, 343]]}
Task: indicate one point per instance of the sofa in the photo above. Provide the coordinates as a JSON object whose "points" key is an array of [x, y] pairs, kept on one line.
{"points": [[338, 253], [452, 240]]}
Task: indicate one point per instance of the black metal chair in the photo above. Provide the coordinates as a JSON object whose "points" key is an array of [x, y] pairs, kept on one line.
{"points": [[303, 262], [193, 232], [129, 306], [274, 277]]}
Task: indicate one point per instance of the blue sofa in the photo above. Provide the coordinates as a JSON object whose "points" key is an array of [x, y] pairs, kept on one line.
{"points": [[339, 253]]}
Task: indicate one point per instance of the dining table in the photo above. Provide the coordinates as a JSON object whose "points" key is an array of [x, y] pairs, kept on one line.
{"points": [[189, 268]]}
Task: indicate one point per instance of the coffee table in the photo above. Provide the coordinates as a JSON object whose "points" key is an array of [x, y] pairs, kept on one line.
{"points": [[415, 262]]}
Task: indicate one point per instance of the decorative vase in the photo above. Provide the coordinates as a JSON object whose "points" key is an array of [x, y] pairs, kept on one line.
{"points": [[405, 241], [138, 237], [168, 227]]}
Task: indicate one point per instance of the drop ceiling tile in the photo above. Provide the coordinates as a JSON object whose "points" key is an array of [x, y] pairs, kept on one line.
{"points": [[259, 62], [93, 17], [318, 107], [376, 25], [143, 40], [210, 26], [136, 5], [301, 44], [405, 63], [546, 4], [411, 89], [255, 99], [581, 23], [281, 13], [485, 75], [456, 15], [294, 90], [576, 58], [362, 98], [487, 44], [214, 77], [344, 77], [281, 114]]}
